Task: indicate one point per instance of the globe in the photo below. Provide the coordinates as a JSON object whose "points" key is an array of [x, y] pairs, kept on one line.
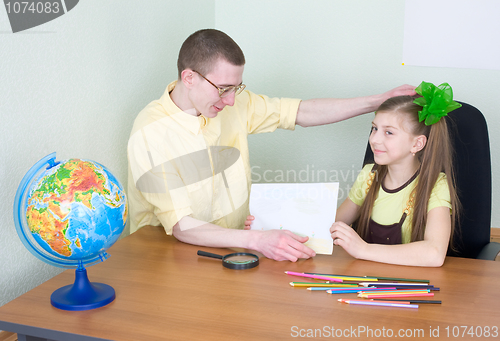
{"points": [[67, 214]]}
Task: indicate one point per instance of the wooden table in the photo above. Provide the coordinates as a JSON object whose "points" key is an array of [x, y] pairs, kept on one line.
{"points": [[166, 292]]}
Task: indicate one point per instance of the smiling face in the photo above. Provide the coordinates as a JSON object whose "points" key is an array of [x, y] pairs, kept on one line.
{"points": [[391, 140], [205, 97]]}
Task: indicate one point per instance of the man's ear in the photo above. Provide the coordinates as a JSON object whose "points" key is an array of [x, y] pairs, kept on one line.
{"points": [[419, 144], [187, 77]]}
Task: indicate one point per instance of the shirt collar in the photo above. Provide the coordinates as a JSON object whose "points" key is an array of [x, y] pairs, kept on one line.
{"points": [[190, 122]]}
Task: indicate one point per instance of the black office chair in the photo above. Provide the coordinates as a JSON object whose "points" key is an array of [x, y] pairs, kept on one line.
{"points": [[469, 134]]}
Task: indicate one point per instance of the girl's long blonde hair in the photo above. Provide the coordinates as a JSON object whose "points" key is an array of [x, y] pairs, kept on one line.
{"points": [[435, 157]]}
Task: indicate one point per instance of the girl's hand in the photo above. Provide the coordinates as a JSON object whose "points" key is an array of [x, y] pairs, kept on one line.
{"points": [[345, 236], [248, 222]]}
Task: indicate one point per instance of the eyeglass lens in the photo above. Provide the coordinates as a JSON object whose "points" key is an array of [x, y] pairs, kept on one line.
{"points": [[227, 91]]}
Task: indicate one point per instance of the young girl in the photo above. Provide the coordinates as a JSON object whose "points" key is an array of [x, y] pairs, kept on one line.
{"points": [[405, 204]]}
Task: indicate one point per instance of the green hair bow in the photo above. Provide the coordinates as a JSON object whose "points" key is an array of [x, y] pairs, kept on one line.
{"points": [[436, 102]]}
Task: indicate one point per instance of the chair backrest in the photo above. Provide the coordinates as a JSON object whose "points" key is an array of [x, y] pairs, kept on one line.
{"points": [[469, 133]]}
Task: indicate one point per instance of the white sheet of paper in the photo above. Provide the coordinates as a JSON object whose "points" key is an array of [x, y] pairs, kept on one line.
{"points": [[452, 33], [307, 209]]}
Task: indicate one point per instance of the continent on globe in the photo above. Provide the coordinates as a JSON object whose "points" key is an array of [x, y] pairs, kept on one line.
{"points": [[71, 207]]}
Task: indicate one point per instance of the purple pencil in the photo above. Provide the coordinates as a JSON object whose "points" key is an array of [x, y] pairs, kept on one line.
{"points": [[380, 304]]}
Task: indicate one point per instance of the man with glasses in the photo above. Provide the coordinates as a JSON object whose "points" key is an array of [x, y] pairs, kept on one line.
{"points": [[189, 168]]}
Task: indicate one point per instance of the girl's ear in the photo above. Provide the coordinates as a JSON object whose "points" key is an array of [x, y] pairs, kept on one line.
{"points": [[419, 144]]}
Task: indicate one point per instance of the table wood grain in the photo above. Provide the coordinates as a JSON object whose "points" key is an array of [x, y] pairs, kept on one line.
{"points": [[164, 291]]}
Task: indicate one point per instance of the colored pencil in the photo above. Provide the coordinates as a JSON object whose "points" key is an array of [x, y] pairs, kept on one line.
{"points": [[316, 284], [374, 295], [389, 301], [330, 288], [402, 279], [428, 287], [410, 301], [346, 278], [332, 291], [404, 287], [301, 274], [346, 290], [367, 284], [384, 301], [386, 291], [326, 288], [381, 304], [393, 293], [370, 278], [373, 278]]}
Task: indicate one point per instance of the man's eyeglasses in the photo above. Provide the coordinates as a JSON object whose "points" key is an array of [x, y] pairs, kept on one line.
{"points": [[224, 92]]}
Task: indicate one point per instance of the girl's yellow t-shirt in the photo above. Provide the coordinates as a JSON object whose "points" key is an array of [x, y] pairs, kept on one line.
{"points": [[389, 207]]}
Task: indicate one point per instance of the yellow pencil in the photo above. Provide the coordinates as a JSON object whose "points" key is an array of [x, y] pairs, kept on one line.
{"points": [[396, 295], [356, 279], [398, 291]]}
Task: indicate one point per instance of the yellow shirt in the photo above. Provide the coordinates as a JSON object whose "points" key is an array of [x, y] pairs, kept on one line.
{"points": [[389, 207], [180, 164]]}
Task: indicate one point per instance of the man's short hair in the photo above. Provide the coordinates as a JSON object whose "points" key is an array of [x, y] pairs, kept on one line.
{"points": [[202, 49]]}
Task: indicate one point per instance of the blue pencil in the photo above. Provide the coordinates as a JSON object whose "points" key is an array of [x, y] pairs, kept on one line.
{"points": [[351, 290], [430, 287]]}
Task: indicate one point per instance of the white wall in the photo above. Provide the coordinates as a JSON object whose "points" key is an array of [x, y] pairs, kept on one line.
{"points": [[74, 86]]}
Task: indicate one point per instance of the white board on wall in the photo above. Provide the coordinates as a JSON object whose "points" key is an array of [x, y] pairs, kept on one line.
{"points": [[452, 33]]}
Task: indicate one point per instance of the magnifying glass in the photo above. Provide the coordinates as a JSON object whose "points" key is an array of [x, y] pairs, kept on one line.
{"points": [[235, 261]]}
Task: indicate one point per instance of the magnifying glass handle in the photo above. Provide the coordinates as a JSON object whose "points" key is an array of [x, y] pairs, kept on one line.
{"points": [[208, 254]]}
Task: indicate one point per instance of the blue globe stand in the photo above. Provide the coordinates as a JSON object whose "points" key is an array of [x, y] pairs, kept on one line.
{"points": [[82, 295]]}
